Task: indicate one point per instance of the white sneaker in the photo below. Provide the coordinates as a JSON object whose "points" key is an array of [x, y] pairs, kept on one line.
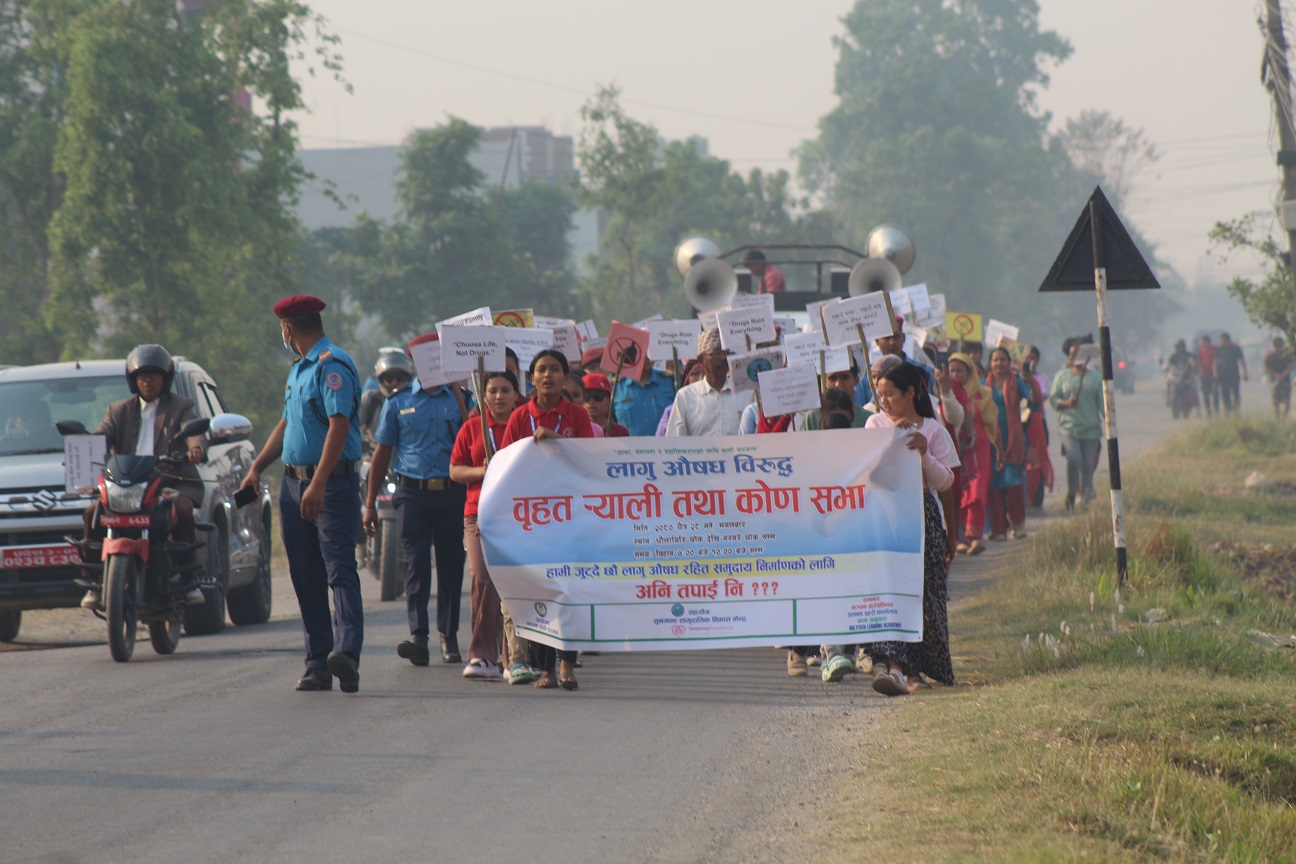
{"points": [[91, 601], [483, 669]]}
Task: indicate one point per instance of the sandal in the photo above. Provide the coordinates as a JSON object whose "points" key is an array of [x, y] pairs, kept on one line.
{"points": [[962, 548], [546, 681], [889, 683], [567, 682], [975, 547]]}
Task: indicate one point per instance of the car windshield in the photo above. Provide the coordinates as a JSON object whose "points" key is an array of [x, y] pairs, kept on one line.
{"points": [[29, 409]]}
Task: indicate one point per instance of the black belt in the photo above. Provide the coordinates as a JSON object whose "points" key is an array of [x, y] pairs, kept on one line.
{"points": [[434, 483], [306, 472]]}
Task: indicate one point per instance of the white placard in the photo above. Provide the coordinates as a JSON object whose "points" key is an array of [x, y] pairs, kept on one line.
{"points": [[427, 362], [738, 327], [707, 318], [996, 330], [565, 337], [919, 334], [587, 330], [526, 342], [83, 458], [753, 301], [840, 358], [868, 311], [900, 302], [784, 391], [462, 345], [599, 342], [744, 368], [642, 324], [476, 318], [803, 349], [678, 335], [1087, 353], [933, 315], [785, 323], [937, 305], [919, 299], [814, 310]]}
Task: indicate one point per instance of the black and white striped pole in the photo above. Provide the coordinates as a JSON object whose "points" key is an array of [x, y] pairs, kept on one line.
{"points": [[1100, 252], [1109, 397]]}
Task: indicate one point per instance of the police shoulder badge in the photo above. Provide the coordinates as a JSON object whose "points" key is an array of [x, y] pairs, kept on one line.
{"points": [[334, 380]]}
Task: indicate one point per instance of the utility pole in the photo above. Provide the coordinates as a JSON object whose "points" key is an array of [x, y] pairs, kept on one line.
{"points": [[1276, 76]]}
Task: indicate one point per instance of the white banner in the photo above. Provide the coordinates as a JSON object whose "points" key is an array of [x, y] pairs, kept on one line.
{"points": [[657, 544]]}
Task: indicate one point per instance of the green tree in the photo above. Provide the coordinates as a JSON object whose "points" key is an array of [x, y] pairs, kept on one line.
{"points": [[537, 222], [1270, 303], [937, 130]]}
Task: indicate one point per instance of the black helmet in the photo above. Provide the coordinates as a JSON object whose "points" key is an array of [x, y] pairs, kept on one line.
{"points": [[149, 358]]}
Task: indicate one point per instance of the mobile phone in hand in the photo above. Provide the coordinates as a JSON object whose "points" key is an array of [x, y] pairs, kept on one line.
{"points": [[244, 496]]}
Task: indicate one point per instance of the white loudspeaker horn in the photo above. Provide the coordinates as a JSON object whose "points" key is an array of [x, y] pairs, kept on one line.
{"points": [[873, 274], [889, 242], [710, 284], [692, 250]]}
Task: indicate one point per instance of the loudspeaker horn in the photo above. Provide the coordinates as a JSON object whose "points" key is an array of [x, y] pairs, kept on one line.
{"points": [[710, 284], [691, 251], [889, 242], [873, 274]]}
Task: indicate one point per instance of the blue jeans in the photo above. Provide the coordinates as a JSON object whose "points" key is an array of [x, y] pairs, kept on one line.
{"points": [[321, 555], [1082, 460]]}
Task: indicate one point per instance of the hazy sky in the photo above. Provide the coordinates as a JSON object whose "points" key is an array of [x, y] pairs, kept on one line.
{"points": [[754, 77]]}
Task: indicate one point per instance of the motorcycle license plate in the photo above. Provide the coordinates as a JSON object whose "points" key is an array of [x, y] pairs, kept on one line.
{"points": [[25, 557], [119, 520]]}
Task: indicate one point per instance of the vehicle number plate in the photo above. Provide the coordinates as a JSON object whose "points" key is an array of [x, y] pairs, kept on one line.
{"points": [[118, 520], [25, 557]]}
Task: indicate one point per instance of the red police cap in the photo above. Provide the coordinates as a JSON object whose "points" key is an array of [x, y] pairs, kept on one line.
{"points": [[298, 304], [597, 381], [591, 356], [426, 337]]}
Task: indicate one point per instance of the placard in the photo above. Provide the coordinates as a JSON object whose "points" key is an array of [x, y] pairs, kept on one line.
{"points": [[527, 342], [900, 302], [745, 368], [785, 324], [753, 301], [840, 358], [667, 335], [461, 345], [745, 327], [919, 299], [427, 363], [626, 351], [514, 318], [996, 330], [476, 318], [1087, 353], [783, 391], [707, 318], [803, 349], [872, 312], [565, 337], [964, 326], [815, 311], [587, 330], [934, 314], [83, 459], [1017, 351]]}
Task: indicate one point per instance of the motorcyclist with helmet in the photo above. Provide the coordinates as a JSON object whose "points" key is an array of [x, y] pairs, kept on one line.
{"points": [[394, 371], [144, 425]]}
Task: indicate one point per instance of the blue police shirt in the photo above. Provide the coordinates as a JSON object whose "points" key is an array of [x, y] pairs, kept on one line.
{"points": [[639, 407], [319, 387], [420, 427], [863, 395]]}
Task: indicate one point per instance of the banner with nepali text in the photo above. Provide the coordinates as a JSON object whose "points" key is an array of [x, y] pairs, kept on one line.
{"points": [[629, 544]]}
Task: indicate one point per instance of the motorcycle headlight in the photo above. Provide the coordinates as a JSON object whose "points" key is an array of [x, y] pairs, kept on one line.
{"points": [[126, 499], [391, 488]]}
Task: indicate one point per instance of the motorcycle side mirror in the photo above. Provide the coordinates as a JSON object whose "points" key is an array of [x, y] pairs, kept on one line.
{"points": [[70, 427], [194, 427], [231, 427]]}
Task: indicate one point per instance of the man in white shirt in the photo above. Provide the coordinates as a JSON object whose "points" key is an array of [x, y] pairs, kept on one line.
{"points": [[710, 406]]}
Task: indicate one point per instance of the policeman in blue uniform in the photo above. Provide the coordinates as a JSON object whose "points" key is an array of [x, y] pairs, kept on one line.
{"points": [[319, 499], [415, 435]]}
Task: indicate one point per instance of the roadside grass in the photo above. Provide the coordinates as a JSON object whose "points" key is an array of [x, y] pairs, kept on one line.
{"points": [[1154, 721]]}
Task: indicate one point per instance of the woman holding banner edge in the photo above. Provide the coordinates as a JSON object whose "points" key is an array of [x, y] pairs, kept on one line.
{"points": [[899, 667], [549, 415]]}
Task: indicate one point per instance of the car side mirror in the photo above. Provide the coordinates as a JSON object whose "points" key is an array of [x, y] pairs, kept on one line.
{"points": [[197, 426], [70, 427], [227, 428]]}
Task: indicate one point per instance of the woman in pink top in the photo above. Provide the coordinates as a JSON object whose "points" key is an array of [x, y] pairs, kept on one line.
{"points": [[898, 667]]}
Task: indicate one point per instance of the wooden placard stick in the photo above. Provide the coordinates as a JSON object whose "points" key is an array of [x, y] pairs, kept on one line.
{"points": [[480, 375]]}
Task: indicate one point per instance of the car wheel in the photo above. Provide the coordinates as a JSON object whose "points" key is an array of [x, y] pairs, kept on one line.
{"points": [[9, 624], [209, 616], [390, 566], [252, 603]]}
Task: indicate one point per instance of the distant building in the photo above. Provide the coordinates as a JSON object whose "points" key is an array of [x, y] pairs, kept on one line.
{"points": [[365, 179]]}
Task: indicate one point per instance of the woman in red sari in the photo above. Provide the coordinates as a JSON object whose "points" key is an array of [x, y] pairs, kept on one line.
{"points": [[977, 452]]}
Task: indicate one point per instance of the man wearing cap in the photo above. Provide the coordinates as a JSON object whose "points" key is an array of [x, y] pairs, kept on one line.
{"points": [[770, 277], [598, 404], [419, 427], [710, 406], [319, 499], [591, 359]]}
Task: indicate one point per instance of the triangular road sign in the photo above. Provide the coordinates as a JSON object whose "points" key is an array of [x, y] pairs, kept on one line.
{"points": [[1074, 268]]}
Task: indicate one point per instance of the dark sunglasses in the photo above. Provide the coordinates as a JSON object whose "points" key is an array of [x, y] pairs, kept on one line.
{"points": [[596, 396]]}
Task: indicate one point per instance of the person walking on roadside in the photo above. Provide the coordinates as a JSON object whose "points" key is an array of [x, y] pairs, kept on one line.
{"points": [[1007, 501], [1077, 397], [899, 667], [416, 432], [980, 444], [1206, 371], [1278, 369], [1230, 371], [319, 498]]}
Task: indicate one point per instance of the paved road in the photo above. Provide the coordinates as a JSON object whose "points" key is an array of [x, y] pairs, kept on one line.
{"points": [[209, 755]]}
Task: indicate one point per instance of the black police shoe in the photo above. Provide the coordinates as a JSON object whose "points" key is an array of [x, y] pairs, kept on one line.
{"points": [[450, 650], [315, 680], [415, 651], [344, 668]]}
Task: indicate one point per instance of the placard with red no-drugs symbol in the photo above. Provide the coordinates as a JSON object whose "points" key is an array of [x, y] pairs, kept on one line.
{"points": [[963, 325]]}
